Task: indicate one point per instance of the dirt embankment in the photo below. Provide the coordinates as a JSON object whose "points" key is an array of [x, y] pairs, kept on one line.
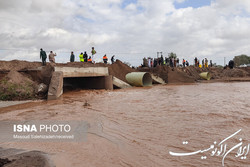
{"points": [[19, 80], [170, 75], [120, 70], [191, 74], [18, 65], [217, 73]]}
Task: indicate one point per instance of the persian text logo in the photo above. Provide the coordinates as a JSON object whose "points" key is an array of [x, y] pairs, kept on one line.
{"points": [[221, 149]]}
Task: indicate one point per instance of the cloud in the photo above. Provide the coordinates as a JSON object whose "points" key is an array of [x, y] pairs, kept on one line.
{"points": [[129, 29]]}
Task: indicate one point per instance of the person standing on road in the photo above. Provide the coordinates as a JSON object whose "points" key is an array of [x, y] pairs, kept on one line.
{"points": [[177, 62], [90, 59], [206, 63], [93, 52], [85, 56], [162, 60], [81, 57], [105, 59], [196, 62], [113, 59], [231, 64], [43, 56], [184, 62], [72, 57], [52, 57], [149, 62]]}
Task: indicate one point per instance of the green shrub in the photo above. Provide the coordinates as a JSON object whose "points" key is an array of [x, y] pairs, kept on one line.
{"points": [[13, 91]]}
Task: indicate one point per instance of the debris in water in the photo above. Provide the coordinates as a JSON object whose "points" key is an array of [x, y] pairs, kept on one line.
{"points": [[86, 104]]}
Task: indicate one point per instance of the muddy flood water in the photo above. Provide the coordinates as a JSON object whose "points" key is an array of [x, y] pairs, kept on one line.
{"points": [[148, 127]]}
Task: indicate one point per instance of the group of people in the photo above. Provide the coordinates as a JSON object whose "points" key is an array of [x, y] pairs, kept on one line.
{"points": [[150, 62], [43, 56], [83, 57], [175, 62], [204, 63], [172, 62], [105, 59]]}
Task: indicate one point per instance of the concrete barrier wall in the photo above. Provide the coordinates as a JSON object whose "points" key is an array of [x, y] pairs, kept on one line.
{"points": [[70, 72], [56, 86]]}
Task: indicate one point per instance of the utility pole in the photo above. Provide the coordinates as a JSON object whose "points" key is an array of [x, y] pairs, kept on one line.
{"points": [[224, 61]]}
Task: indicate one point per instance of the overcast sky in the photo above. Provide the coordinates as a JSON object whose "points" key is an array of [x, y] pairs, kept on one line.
{"points": [[128, 29]]}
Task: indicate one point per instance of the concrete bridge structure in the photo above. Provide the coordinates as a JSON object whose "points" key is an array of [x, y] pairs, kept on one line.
{"points": [[82, 77]]}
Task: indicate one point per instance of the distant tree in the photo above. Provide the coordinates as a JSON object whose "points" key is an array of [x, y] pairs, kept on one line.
{"points": [[241, 59], [172, 55]]}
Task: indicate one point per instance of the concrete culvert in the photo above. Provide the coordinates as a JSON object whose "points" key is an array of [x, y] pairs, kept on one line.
{"points": [[139, 79]]}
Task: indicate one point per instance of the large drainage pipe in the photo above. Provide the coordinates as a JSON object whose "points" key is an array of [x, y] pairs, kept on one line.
{"points": [[205, 75], [139, 79]]}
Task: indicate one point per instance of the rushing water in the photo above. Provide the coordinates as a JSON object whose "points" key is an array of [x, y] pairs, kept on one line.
{"points": [[140, 126]]}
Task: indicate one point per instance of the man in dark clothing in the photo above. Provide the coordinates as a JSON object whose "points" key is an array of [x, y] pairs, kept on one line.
{"points": [[72, 57], [85, 56], [155, 62], [43, 56], [113, 59], [162, 60], [183, 62], [196, 62], [231, 64], [171, 62]]}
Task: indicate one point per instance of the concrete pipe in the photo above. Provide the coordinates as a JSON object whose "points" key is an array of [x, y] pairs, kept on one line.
{"points": [[139, 79], [205, 75]]}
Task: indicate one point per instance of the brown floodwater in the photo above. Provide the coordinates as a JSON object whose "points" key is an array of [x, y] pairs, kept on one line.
{"points": [[139, 127]]}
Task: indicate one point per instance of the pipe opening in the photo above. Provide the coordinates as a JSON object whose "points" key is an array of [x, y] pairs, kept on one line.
{"points": [[205, 75], [147, 80], [139, 79]]}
